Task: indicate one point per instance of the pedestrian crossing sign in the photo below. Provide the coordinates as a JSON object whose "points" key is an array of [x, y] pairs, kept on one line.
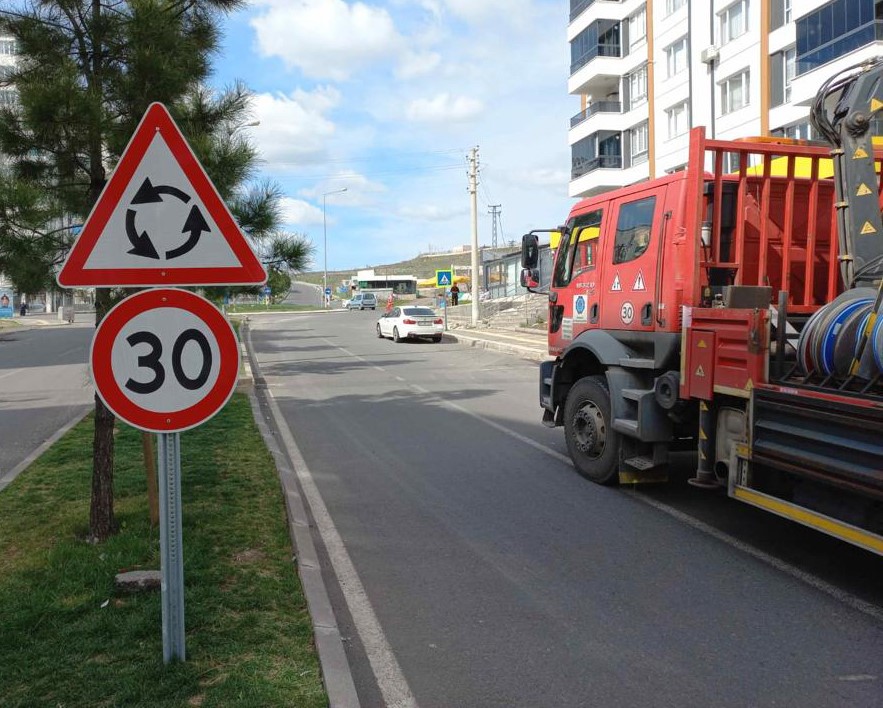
{"points": [[444, 278]]}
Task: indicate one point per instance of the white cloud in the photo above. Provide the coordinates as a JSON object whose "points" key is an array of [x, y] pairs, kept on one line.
{"points": [[497, 11], [444, 108], [412, 65], [326, 38], [296, 213], [293, 128]]}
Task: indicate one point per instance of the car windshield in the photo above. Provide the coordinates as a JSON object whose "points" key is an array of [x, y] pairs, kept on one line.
{"points": [[418, 311]]}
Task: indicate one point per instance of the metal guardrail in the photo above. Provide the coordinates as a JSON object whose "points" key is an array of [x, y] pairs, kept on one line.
{"points": [[599, 50], [581, 166]]}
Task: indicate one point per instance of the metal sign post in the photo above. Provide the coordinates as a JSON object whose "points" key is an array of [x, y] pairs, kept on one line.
{"points": [[171, 547]]}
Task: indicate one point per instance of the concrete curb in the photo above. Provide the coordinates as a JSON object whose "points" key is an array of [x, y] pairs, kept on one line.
{"points": [[524, 351], [336, 672], [9, 477]]}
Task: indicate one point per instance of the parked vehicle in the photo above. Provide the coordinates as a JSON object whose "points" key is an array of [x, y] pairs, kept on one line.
{"points": [[736, 314], [411, 323], [362, 301]]}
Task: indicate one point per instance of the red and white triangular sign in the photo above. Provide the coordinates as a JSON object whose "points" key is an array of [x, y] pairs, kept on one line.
{"points": [[160, 221]]}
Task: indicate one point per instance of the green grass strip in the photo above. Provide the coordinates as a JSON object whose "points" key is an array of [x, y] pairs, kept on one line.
{"points": [[248, 634]]}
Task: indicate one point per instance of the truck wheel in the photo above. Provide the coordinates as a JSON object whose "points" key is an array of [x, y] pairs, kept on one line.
{"points": [[591, 441]]}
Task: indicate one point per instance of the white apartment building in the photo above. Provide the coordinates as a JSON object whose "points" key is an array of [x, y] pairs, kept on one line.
{"points": [[647, 71], [7, 61]]}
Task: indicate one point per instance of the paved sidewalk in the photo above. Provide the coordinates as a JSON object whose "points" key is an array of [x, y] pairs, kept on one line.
{"points": [[522, 342]]}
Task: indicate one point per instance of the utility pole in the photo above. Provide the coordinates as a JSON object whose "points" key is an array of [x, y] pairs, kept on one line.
{"points": [[495, 215], [473, 189]]}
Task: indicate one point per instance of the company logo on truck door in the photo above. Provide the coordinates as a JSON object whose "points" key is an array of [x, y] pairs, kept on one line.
{"points": [[580, 312]]}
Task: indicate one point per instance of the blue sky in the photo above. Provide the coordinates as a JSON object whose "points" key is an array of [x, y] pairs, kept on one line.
{"points": [[386, 98]]}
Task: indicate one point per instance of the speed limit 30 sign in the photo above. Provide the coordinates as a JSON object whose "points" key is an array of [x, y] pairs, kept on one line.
{"points": [[165, 360]]}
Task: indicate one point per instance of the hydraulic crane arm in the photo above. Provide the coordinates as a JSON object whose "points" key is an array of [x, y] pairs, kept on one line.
{"points": [[857, 94]]}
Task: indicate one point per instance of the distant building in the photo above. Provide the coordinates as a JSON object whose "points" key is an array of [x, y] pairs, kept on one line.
{"points": [[368, 280], [647, 71]]}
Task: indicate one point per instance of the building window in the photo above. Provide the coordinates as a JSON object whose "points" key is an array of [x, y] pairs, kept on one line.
{"points": [[787, 10], [790, 68], [7, 47], [678, 119], [676, 56], [734, 92], [638, 27], [640, 139], [795, 131], [638, 87], [734, 21], [672, 5], [633, 229]]}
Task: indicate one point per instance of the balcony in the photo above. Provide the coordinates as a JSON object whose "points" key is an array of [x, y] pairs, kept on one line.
{"points": [[577, 7], [581, 166], [602, 180], [844, 45], [594, 108], [599, 50]]}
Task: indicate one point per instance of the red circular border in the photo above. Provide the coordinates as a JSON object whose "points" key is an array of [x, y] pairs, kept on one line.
{"points": [[117, 400]]}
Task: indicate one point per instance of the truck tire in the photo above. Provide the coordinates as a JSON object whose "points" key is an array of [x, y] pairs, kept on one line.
{"points": [[592, 442]]}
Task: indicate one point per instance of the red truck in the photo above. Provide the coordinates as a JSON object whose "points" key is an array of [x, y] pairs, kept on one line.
{"points": [[731, 308]]}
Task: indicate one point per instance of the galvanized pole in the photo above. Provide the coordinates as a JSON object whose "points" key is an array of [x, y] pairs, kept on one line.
{"points": [[473, 188], [171, 547]]}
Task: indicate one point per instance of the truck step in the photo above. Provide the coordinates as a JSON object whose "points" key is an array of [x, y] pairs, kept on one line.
{"points": [[641, 462], [637, 363], [626, 426], [636, 394]]}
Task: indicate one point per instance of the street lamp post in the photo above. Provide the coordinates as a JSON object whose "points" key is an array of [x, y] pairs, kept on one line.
{"points": [[325, 298]]}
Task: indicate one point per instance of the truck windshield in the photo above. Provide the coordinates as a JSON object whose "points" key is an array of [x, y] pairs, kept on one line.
{"points": [[582, 228]]}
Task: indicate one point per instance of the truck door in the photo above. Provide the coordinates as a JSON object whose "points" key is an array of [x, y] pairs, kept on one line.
{"points": [[630, 273], [574, 277]]}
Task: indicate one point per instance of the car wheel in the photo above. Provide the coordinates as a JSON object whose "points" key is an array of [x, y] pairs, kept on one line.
{"points": [[395, 335], [379, 333], [592, 442], [437, 338]]}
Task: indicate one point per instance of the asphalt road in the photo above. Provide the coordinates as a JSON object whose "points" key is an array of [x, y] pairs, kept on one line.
{"points": [[499, 577], [43, 386]]}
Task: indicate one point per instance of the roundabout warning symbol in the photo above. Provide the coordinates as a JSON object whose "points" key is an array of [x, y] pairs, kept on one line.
{"points": [[160, 221]]}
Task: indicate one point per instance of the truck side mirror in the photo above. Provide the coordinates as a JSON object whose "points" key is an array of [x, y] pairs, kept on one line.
{"points": [[530, 278], [530, 251]]}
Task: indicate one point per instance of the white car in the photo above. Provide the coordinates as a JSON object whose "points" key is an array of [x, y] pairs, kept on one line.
{"points": [[411, 322]]}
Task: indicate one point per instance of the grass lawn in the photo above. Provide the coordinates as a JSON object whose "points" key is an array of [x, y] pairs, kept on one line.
{"points": [[281, 307], [68, 639]]}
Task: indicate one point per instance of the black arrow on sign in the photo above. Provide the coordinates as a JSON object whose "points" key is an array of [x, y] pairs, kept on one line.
{"points": [[148, 194], [195, 224], [142, 245]]}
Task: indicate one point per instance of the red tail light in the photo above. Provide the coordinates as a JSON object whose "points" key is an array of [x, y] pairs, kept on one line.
{"points": [[409, 321], [439, 321]]}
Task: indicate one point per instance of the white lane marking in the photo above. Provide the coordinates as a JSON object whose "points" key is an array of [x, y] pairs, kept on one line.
{"points": [[843, 596], [10, 373], [390, 679]]}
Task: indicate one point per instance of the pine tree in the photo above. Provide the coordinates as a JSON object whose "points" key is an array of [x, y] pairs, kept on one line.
{"points": [[87, 71]]}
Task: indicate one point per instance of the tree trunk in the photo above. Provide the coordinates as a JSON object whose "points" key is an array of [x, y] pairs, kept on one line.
{"points": [[102, 523]]}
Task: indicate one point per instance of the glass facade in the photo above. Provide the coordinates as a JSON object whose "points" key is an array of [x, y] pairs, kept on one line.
{"points": [[838, 28]]}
